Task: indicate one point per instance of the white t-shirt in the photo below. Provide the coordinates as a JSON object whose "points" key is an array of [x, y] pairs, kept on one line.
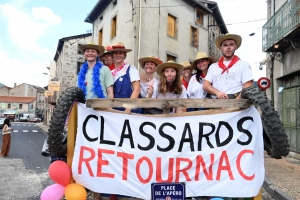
{"points": [[133, 73], [230, 82], [172, 95], [144, 86], [195, 89]]}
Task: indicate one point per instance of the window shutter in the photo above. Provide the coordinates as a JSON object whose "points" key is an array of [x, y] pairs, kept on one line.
{"points": [[171, 26], [100, 36], [196, 38], [191, 35]]}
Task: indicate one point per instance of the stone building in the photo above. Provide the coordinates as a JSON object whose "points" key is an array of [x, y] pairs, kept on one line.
{"points": [[281, 42], [4, 90], [171, 30]]}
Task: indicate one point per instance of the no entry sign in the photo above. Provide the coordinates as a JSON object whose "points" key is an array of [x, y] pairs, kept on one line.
{"points": [[168, 191], [264, 83]]}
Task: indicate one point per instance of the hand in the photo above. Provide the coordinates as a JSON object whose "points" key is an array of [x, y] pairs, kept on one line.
{"points": [[221, 95]]}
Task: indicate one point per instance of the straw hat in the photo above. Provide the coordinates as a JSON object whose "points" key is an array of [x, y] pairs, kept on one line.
{"points": [[119, 46], [168, 64], [152, 59], [92, 45], [186, 65], [201, 55], [227, 36], [106, 49]]}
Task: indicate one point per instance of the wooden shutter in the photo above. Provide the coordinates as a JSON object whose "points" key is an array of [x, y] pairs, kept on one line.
{"points": [[171, 26], [196, 40], [199, 16], [191, 35], [113, 27], [100, 37]]}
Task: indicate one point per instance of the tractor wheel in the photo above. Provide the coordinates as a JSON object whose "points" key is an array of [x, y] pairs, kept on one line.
{"points": [[275, 138], [57, 134]]}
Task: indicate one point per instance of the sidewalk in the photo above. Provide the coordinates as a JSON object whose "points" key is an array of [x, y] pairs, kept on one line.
{"points": [[282, 178]]}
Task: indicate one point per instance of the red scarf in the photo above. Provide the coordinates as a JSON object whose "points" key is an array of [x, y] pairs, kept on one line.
{"points": [[184, 83], [221, 64]]}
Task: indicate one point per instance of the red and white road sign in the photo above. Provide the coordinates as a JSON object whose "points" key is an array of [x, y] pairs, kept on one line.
{"points": [[264, 83]]}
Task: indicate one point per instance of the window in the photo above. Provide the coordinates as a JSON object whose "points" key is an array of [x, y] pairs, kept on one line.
{"points": [[171, 26], [100, 37], [20, 106], [8, 106], [113, 27], [194, 36], [115, 3], [170, 57], [199, 16], [101, 18]]}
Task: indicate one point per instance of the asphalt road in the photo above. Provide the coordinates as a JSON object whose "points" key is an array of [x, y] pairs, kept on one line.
{"points": [[24, 173]]}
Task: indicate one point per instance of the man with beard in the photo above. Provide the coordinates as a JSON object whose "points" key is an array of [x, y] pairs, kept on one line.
{"points": [[226, 78]]}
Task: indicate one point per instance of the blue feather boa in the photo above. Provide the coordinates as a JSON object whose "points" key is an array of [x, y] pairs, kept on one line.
{"points": [[97, 88]]}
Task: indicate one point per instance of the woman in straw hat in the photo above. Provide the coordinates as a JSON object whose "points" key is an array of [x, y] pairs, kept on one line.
{"points": [[170, 85], [94, 79], [126, 77], [186, 73], [201, 65]]}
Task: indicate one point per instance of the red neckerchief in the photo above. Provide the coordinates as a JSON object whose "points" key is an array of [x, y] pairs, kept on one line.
{"points": [[112, 66], [184, 83], [202, 75], [221, 64]]}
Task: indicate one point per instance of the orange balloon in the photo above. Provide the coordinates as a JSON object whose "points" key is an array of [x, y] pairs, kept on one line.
{"points": [[75, 191]]}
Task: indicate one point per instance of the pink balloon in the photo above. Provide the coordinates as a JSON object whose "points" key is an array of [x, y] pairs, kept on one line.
{"points": [[60, 172], [53, 192]]}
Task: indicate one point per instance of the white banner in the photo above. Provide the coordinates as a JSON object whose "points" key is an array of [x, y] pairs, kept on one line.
{"points": [[215, 155]]}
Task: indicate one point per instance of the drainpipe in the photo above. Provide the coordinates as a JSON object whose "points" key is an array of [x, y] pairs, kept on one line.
{"points": [[271, 77], [140, 31]]}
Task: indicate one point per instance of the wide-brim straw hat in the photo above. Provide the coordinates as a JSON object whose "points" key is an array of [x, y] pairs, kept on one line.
{"points": [[119, 46], [152, 59], [186, 65], [106, 49], [201, 55], [227, 36], [92, 45], [170, 64]]}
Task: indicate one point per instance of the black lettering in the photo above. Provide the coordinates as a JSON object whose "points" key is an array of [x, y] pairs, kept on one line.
{"points": [[171, 140], [102, 140], [201, 135], [151, 139], [128, 136], [186, 129], [84, 128], [241, 129], [230, 134]]}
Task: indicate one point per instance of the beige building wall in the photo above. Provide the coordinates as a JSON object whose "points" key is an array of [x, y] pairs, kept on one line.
{"points": [[4, 91], [23, 90]]}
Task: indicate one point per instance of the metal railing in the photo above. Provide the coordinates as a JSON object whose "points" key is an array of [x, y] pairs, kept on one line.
{"points": [[282, 22]]}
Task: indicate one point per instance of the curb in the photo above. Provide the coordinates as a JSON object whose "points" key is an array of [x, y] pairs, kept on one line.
{"points": [[274, 191]]}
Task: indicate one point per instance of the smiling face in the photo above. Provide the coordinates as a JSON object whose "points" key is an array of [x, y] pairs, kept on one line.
{"points": [[228, 48], [107, 59], [119, 56], [170, 74], [187, 72], [202, 64], [149, 67], [91, 55]]}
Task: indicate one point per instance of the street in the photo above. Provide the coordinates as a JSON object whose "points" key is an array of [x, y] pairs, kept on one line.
{"points": [[24, 173]]}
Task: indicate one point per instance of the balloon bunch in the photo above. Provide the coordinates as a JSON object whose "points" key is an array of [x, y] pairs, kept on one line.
{"points": [[61, 174]]}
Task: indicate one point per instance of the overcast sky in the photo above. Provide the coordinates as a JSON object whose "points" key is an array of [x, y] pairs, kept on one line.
{"points": [[30, 30]]}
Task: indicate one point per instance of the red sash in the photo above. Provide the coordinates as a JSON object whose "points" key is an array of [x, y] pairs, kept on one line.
{"points": [[184, 83], [233, 61]]}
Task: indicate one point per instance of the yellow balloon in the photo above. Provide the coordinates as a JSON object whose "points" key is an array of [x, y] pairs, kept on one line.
{"points": [[75, 191]]}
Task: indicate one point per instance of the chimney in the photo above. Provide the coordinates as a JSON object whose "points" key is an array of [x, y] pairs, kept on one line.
{"points": [[15, 84]]}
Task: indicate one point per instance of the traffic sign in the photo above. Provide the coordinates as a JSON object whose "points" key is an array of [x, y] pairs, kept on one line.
{"points": [[264, 83], [168, 191]]}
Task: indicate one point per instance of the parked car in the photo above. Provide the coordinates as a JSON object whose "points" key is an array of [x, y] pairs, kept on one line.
{"points": [[2, 122], [35, 120]]}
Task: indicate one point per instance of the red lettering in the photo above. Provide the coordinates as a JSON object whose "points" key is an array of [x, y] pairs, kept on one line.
{"points": [[227, 167], [138, 165], [199, 160], [238, 164], [170, 170], [125, 157], [184, 170], [86, 160], [103, 162]]}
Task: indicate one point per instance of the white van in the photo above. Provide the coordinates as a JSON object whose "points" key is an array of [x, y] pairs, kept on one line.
{"points": [[27, 117]]}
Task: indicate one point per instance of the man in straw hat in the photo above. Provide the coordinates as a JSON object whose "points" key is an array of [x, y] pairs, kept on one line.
{"points": [[226, 78], [186, 73], [170, 85], [94, 79]]}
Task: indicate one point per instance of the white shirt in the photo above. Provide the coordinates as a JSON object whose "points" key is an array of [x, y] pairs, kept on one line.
{"points": [[144, 86], [195, 89], [133, 73], [230, 82], [172, 95]]}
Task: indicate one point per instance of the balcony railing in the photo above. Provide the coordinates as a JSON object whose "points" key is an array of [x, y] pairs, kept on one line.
{"points": [[285, 20]]}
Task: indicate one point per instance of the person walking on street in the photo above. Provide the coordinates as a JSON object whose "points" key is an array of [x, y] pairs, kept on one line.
{"points": [[226, 78], [6, 131], [94, 79]]}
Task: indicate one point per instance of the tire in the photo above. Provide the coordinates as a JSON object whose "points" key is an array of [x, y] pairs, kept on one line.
{"points": [[56, 136], [275, 138]]}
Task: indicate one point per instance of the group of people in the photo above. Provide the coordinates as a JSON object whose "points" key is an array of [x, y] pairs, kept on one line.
{"points": [[111, 77]]}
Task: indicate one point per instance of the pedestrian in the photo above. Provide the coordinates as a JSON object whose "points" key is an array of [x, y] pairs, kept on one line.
{"points": [[170, 85], [226, 78], [126, 77], [6, 131], [94, 79], [106, 58], [148, 82], [187, 73]]}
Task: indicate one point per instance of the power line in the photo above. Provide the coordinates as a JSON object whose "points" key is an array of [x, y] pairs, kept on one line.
{"points": [[247, 21]]}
